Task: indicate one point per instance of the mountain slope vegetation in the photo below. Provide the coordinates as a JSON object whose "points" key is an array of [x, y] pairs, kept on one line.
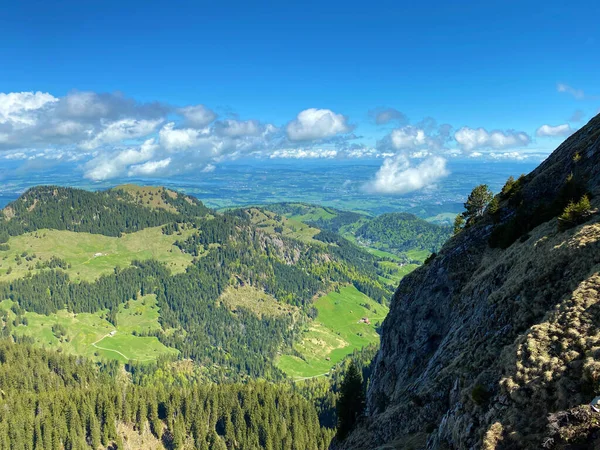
{"points": [[494, 342], [403, 232], [67, 252]]}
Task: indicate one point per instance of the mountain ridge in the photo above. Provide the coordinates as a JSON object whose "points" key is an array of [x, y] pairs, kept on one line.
{"points": [[484, 342]]}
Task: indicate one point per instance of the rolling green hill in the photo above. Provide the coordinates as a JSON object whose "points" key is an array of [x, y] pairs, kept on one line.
{"points": [[403, 232], [228, 291]]}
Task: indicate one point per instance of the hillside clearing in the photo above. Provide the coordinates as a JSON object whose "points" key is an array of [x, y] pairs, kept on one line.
{"points": [[335, 333], [90, 255]]}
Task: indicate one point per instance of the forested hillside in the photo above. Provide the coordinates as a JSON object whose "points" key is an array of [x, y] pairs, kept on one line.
{"points": [[52, 265], [403, 232], [398, 233], [125, 307], [109, 212], [52, 401]]}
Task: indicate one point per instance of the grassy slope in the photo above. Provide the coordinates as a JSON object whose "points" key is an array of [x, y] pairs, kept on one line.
{"points": [[87, 333], [78, 249], [257, 301], [267, 221], [335, 333], [150, 196]]}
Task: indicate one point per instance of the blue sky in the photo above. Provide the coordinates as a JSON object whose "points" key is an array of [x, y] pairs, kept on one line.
{"points": [[506, 67]]}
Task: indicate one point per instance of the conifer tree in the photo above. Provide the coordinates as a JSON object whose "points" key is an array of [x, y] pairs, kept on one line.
{"points": [[351, 403]]}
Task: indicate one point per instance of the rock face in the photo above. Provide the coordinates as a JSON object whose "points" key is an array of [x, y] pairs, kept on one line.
{"points": [[483, 346]]}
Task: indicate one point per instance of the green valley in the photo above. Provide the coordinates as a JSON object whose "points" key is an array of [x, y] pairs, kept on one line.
{"points": [[347, 321]]}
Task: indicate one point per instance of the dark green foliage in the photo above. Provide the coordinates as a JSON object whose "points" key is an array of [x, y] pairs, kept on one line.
{"points": [[351, 402], [476, 203], [342, 218], [108, 213], [404, 231], [323, 392], [575, 213], [494, 205], [429, 258], [53, 263], [480, 394], [338, 220], [59, 330], [58, 402], [459, 223], [526, 218]]}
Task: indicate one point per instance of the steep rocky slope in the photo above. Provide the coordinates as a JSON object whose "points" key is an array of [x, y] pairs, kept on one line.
{"points": [[498, 348]]}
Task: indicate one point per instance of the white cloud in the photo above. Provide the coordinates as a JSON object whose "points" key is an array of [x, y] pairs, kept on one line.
{"points": [[111, 165], [17, 107], [577, 93], [121, 130], [208, 168], [554, 131], [149, 168], [517, 156], [397, 176], [197, 116], [471, 139], [408, 138], [178, 139], [312, 124], [302, 153], [16, 155]]}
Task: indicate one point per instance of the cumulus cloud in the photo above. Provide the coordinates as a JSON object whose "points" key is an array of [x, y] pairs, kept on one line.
{"points": [[178, 139], [149, 168], [408, 138], [554, 131], [397, 176], [383, 116], [313, 123], [121, 130], [18, 107], [470, 139], [114, 164]]}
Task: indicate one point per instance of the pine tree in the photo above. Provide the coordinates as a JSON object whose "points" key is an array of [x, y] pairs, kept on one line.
{"points": [[459, 223], [476, 203], [351, 403]]}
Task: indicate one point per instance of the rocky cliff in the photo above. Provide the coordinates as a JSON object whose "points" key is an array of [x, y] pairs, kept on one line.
{"points": [[495, 343]]}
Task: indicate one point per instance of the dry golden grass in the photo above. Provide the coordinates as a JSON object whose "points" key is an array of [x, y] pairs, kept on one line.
{"points": [[134, 440], [255, 300], [493, 436], [150, 196]]}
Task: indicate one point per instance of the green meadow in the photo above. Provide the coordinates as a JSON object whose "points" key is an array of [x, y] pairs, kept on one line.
{"points": [[90, 255], [93, 336], [335, 333]]}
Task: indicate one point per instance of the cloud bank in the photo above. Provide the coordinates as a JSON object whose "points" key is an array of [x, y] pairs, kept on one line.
{"points": [[109, 135]]}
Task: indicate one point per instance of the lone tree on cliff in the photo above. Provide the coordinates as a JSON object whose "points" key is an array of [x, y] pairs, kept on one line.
{"points": [[351, 403], [476, 203]]}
